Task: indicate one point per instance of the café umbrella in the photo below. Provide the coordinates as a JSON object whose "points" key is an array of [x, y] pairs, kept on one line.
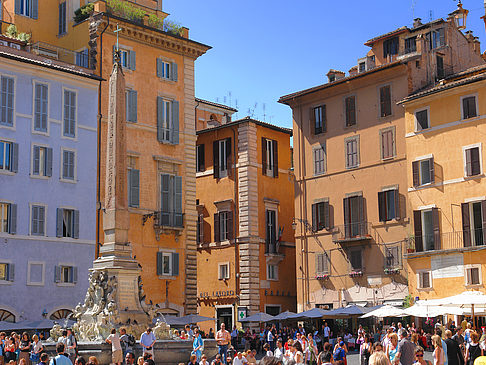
{"points": [[259, 317], [385, 311], [285, 316], [312, 314]]}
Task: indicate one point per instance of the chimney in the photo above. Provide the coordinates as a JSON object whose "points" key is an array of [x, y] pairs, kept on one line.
{"points": [[417, 22], [353, 71], [334, 75], [469, 36]]}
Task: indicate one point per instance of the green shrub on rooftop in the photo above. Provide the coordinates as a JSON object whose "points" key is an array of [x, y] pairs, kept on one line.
{"points": [[126, 10], [83, 12]]}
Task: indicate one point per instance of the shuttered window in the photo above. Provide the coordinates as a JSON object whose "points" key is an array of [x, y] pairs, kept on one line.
{"points": [[355, 259], [388, 205], [472, 160], [440, 71], [40, 107], [385, 101], [422, 119], [271, 231], [42, 161], [318, 119], [269, 157], [392, 257], [29, 8], [350, 108], [9, 156], [62, 18], [68, 165], [387, 143], [200, 158], [436, 38], [7, 272], [224, 271], [8, 218], [166, 70], [127, 58], [167, 120], [474, 223], [469, 109], [427, 230], [322, 263], [69, 128], [354, 214], [167, 263], [200, 229], [65, 274], [320, 160], [171, 201], [38, 220], [131, 105], [7, 101], [222, 158], [223, 226], [424, 280], [423, 172], [133, 187], [320, 216], [352, 152], [473, 276], [67, 223]]}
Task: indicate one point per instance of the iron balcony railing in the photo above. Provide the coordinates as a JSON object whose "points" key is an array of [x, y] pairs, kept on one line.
{"points": [[61, 54], [168, 219], [272, 248], [457, 240], [355, 231]]}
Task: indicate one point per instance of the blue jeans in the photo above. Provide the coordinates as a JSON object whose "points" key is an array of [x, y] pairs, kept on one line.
{"points": [[222, 349]]}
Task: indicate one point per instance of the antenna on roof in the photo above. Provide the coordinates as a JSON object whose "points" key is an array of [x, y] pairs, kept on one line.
{"points": [[431, 15], [224, 99], [236, 107], [414, 2], [264, 115]]}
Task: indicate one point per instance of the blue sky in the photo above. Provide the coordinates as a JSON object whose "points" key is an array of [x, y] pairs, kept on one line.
{"points": [[263, 49]]}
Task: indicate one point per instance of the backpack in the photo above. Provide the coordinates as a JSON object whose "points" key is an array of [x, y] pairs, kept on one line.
{"points": [[131, 340], [338, 354]]}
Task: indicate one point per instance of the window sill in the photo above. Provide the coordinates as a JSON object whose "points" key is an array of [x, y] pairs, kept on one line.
{"points": [[269, 279], [167, 277], [37, 235], [7, 126], [6, 282], [352, 167], [479, 176], [40, 133], [66, 285], [7, 172], [425, 289], [223, 279], [35, 284], [39, 177], [388, 158], [167, 80], [473, 286], [72, 138], [69, 181]]}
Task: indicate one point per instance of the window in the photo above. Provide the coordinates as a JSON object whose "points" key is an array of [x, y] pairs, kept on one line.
{"points": [[427, 229], [127, 58], [436, 38], [223, 271], [166, 70], [68, 165], [167, 263], [82, 58], [167, 120], [7, 272], [131, 105], [388, 205], [221, 158], [350, 108], [66, 274], [423, 171], [271, 231], [411, 45], [9, 156], [320, 160], [200, 160], [362, 67], [200, 229], [385, 101], [62, 18], [352, 152], [42, 161], [472, 160], [269, 157], [390, 47], [171, 201], [387, 139], [38, 220], [69, 129], [473, 275], [27, 8], [320, 216], [8, 218], [392, 257], [474, 223], [272, 272], [67, 224], [354, 224], [318, 119], [35, 273], [6, 101], [223, 226], [355, 259], [424, 280], [133, 187], [440, 67], [322, 263], [40, 108], [469, 109], [422, 119]]}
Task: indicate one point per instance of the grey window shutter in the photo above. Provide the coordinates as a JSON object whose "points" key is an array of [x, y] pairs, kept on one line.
{"points": [[17, 6], [59, 222], [415, 173], [36, 163], [35, 9], [216, 228], [12, 218], [174, 71], [327, 216], [175, 122], [347, 216], [275, 158], [164, 201], [133, 58], [175, 264], [11, 272], [15, 158], [133, 105], [159, 67], [34, 220], [42, 220], [417, 225], [396, 196], [134, 188], [48, 162], [75, 275], [76, 224], [160, 118], [37, 108], [57, 274], [159, 263], [178, 202], [475, 161], [229, 227], [435, 221], [432, 172], [466, 224], [315, 222], [65, 164]]}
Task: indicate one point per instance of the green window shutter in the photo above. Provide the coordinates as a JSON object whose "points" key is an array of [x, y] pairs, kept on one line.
{"points": [[175, 122], [173, 68], [48, 163], [178, 218], [132, 60], [165, 200], [76, 224], [35, 9], [59, 222], [12, 218], [134, 187], [11, 272], [159, 66], [15, 158], [75, 275], [159, 263], [175, 264], [57, 274], [160, 119], [36, 162]]}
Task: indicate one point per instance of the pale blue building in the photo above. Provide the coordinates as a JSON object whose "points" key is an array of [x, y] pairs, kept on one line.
{"points": [[48, 166]]}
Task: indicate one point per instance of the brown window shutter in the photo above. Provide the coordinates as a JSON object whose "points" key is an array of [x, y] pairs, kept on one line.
{"points": [[216, 159], [327, 218], [315, 220], [216, 228], [382, 206], [435, 221], [201, 228], [347, 217], [264, 156], [229, 158], [275, 159], [361, 213], [475, 164], [312, 118], [468, 162], [229, 224], [384, 146], [397, 204], [415, 173], [466, 224], [483, 215], [324, 118], [432, 170], [417, 226]]}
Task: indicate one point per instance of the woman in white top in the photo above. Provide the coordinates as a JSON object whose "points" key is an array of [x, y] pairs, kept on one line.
{"points": [[37, 348], [268, 352], [299, 358], [204, 360], [438, 352]]}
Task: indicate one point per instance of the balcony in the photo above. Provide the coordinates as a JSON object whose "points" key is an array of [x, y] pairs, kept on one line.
{"points": [[352, 232], [470, 240], [167, 223], [80, 59]]}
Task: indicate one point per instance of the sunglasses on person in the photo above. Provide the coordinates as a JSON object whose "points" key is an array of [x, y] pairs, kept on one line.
{"points": [[419, 355]]}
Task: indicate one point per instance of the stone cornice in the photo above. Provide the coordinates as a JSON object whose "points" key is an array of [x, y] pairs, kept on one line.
{"points": [[153, 37]]}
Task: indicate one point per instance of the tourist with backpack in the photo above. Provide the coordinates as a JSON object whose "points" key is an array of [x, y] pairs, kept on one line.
{"points": [[127, 341], [339, 353]]}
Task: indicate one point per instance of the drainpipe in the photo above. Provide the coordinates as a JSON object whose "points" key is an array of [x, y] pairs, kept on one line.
{"points": [[100, 116], [235, 219]]}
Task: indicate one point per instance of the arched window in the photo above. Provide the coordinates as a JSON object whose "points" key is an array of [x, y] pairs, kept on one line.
{"points": [[7, 316], [61, 314]]}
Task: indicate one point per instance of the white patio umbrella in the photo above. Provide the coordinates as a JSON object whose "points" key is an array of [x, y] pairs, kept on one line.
{"points": [[385, 311], [430, 311]]}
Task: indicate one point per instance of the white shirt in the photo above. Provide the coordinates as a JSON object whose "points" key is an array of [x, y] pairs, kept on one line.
{"points": [[270, 336], [115, 342], [279, 353], [241, 361], [269, 353]]}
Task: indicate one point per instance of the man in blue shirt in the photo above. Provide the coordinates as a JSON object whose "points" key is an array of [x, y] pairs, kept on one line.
{"points": [[61, 358], [147, 341]]}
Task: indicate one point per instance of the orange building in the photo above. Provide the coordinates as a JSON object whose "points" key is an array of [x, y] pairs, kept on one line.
{"points": [[158, 63], [244, 185]]}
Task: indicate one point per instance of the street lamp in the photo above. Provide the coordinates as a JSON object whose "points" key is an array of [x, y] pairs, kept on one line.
{"points": [[307, 226], [459, 15]]}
